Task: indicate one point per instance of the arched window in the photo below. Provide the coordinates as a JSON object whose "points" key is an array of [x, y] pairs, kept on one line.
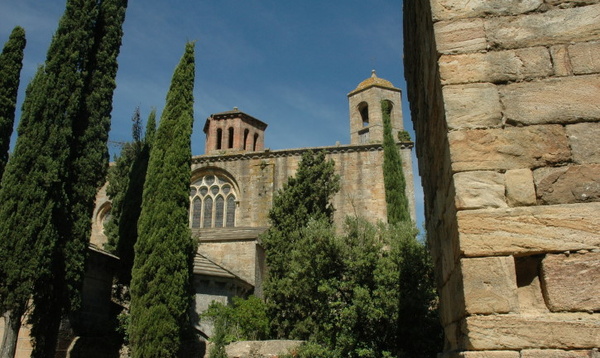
{"points": [[219, 138], [213, 202], [255, 142], [246, 132], [363, 109], [230, 137]]}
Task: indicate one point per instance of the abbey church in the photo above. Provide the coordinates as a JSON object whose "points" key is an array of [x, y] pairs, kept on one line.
{"points": [[234, 182]]}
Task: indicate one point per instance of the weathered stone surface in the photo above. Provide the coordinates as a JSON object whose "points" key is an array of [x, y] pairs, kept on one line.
{"points": [[490, 285], [572, 283], [520, 190], [555, 100], [583, 139], [482, 354], [553, 330], [556, 353], [584, 57], [250, 349], [450, 9], [561, 60], [572, 184], [479, 190], [452, 293], [460, 36], [549, 28], [472, 106], [508, 148], [531, 230], [496, 66]]}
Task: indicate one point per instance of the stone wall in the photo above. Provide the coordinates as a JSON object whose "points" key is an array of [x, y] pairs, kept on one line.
{"points": [[505, 100], [258, 176]]}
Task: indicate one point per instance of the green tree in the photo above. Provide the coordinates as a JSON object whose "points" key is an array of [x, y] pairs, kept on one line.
{"points": [[393, 176], [126, 183], [161, 279], [11, 62], [305, 197], [365, 293], [44, 194]]}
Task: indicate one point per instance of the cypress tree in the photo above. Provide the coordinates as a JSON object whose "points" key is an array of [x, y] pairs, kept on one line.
{"points": [[393, 176], [126, 184], [11, 62], [40, 207], [161, 294]]}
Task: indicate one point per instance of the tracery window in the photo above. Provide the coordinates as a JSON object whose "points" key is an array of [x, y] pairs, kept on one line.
{"points": [[213, 202]]}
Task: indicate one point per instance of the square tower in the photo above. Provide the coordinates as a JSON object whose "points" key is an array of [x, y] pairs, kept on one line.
{"points": [[366, 118], [233, 131]]}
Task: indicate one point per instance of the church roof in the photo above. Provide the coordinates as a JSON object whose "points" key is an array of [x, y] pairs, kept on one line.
{"points": [[235, 113], [204, 266], [373, 81]]}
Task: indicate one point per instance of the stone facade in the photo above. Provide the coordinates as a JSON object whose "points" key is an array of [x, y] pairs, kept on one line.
{"points": [[504, 99]]}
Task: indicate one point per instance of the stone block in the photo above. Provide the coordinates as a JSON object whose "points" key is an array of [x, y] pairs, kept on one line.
{"points": [[572, 282], [508, 148], [490, 285], [555, 100], [451, 9], [584, 57], [564, 185], [511, 331], [553, 27], [273, 348], [479, 190], [472, 106], [561, 60], [460, 36], [583, 139], [520, 190], [496, 66], [557, 353], [529, 230]]}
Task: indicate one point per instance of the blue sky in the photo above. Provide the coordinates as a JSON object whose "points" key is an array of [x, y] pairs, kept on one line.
{"points": [[289, 63]]}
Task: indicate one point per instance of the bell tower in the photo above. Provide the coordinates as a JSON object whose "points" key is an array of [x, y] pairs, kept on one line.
{"points": [[366, 118], [233, 131]]}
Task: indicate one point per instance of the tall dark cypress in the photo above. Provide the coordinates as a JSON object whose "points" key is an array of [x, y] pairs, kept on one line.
{"points": [[40, 205], [11, 62], [89, 152], [161, 279], [393, 176]]}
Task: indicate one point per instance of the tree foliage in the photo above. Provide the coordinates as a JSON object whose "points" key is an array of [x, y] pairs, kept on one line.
{"points": [[125, 187], [11, 62], [58, 163], [161, 279], [366, 293], [242, 320], [305, 197], [393, 176]]}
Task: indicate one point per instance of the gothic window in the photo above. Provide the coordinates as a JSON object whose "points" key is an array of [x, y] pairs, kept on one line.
{"points": [[213, 202], [363, 109]]}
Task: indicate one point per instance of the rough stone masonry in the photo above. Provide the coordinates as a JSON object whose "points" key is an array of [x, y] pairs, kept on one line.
{"points": [[505, 100]]}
